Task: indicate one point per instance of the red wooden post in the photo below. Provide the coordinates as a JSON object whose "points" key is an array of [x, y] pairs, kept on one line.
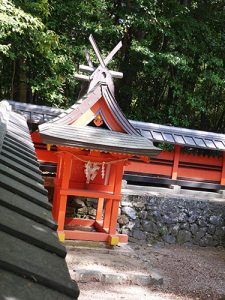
{"points": [[118, 179], [175, 161], [65, 171], [114, 216], [107, 213], [113, 239], [99, 209], [222, 181], [62, 212], [56, 196]]}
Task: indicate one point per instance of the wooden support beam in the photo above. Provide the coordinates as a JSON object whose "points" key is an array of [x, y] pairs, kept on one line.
{"points": [[61, 212], [97, 52], [112, 53], [88, 58], [107, 213], [93, 236], [77, 221], [55, 205], [99, 227], [114, 217], [99, 209], [175, 162], [89, 193], [82, 77], [118, 178], [86, 236], [222, 181], [89, 69], [63, 183]]}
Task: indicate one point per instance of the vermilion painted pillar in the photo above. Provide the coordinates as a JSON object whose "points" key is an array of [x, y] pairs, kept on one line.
{"points": [[113, 239], [99, 209], [107, 213], [118, 179], [114, 216], [64, 185], [62, 212], [57, 184], [222, 180], [175, 161]]}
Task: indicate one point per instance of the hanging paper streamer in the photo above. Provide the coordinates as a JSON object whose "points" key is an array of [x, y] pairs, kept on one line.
{"points": [[91, 168], [103, 170], [91, 171]]}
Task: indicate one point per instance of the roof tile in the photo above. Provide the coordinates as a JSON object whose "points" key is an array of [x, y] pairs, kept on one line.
{"points": [[32, 264]]}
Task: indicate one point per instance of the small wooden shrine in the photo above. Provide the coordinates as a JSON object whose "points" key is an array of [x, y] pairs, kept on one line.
{"points": [[93, 142]]}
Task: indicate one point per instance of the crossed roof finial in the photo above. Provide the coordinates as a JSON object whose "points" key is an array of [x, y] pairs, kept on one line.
{"points": [[101, 73]]}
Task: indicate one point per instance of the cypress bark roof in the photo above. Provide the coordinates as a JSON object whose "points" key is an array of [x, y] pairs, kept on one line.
{"points": [[32, 260]]}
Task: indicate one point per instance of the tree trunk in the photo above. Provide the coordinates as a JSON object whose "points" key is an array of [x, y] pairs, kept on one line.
{"points": [[22, 82]]}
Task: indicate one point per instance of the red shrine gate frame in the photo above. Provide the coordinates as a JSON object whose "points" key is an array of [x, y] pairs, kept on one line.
{"points": [[71, 180]]}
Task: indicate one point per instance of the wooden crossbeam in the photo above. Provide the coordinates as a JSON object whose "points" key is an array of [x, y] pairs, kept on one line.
{"points": [[103, 62], [97, 52], [82, 77], [112, 53], [106, 61], [89, 69], [88, 58]]}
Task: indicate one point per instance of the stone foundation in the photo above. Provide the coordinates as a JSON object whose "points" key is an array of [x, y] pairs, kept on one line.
{"points": [[173, 219], [157, 217]]}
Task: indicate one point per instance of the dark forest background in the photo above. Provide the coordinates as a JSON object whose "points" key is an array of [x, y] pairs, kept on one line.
{"points": [[173, 55]]}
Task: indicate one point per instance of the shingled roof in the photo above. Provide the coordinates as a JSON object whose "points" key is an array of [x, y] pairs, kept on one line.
{"points": [[88, 100], [96, 138], [154, 132], [32, 260]]}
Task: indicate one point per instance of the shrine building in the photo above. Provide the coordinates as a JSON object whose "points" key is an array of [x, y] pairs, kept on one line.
{"points": [[91, 144]]}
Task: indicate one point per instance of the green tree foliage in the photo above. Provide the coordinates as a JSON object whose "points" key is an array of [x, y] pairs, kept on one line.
{"points": [[172, 56], [176, 60], [33, 63]]}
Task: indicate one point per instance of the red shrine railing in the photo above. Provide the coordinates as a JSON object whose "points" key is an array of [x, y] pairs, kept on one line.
{"points": [[169, 167], [178, 166]]}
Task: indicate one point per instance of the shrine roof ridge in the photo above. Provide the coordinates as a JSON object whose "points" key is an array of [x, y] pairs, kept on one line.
{"points": [[32, 260], [88, 100], [154, 132]]}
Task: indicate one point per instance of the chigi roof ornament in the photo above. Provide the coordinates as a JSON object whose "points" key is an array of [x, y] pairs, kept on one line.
{"points": [[101, 73]]}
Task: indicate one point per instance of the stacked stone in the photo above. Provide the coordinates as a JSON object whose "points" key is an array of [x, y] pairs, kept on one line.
{"points": [[169, 219], [173, 220], [78, 207]]}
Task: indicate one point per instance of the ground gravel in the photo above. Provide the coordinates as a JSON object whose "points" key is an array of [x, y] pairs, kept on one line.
{"points": [[189, 272]]}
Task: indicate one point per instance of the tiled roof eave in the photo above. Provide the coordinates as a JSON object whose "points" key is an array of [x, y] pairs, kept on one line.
{"points": [[32, 260], [98, 139], [168, 134]]}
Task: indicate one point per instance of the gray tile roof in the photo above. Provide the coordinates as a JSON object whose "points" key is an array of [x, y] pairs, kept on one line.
{"points": [[181, 136], [36, 114], [95, 138], [88, 100], [154, 132], [32, 260]]}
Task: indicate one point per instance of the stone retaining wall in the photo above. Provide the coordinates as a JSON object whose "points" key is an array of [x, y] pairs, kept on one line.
{"points": [[173, 220]]}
